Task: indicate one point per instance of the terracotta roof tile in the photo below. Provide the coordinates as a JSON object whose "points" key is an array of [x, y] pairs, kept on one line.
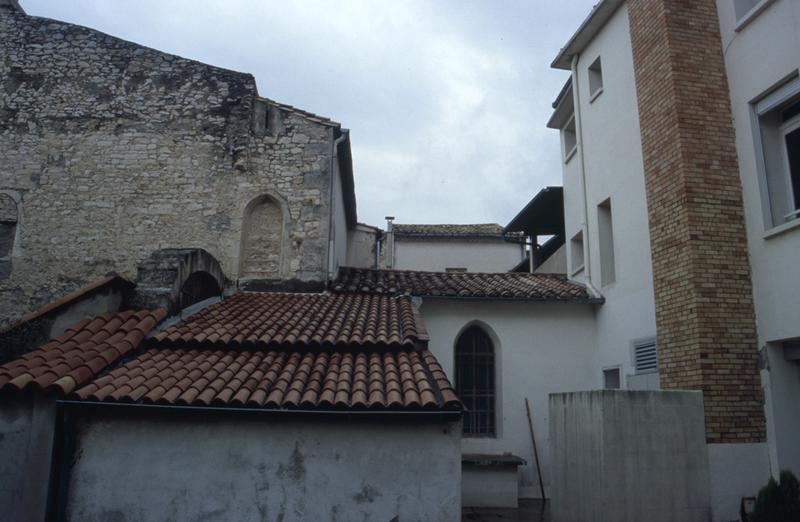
{"points": [[310, 320], [79, 354], [327, 379], [487, 230], [464, 285]]}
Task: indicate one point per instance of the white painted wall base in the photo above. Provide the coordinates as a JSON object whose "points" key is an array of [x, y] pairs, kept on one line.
{"points": [[736, 471], [483, 486]]}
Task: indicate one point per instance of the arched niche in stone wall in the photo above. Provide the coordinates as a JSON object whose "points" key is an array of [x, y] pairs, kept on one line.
{"points": [[262, 239], [9, 216], [175, 278]]}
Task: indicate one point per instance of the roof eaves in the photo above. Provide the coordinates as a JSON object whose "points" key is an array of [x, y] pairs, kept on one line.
{"points": [[68, 298], [597, 18]]}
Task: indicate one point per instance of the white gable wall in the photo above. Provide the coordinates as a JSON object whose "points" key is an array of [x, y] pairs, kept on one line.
{"points": [[540, 348]]}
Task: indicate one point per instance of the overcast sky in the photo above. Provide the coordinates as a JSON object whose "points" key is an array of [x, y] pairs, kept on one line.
{"points": [[446, 101]]}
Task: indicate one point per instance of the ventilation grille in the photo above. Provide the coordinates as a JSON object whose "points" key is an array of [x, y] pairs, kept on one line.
{"points": [[645, 357]]}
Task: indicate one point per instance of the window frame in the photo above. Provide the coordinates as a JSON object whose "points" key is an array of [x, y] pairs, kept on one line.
{"points": [[568, 154], [780, 94], [574, 241], [786, 128], [595, 76], [492, 394]]}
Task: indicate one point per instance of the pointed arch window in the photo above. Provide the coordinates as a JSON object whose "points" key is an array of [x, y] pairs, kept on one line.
{"points": [[475, 381]]}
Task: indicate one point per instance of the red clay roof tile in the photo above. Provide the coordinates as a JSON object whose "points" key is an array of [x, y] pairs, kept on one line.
{"points": [[312, 320], [79, 354], [324, 379], [465, 285]]}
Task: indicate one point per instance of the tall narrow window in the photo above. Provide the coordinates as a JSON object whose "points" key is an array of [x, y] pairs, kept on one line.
{"points": [[595, 79], [475, 381], [569, 139], [576, 253], [606, 232], [8, 231]]}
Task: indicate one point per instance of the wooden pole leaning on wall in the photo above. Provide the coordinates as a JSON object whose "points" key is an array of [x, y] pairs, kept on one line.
{"points": [[535, 451]]}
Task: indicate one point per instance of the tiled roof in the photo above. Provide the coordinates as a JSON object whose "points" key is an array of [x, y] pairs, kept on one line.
{"points": [[267, 351], [110, 279], [80, 353], [519, 286], [307, 320], [275, 379], [492, 230]]}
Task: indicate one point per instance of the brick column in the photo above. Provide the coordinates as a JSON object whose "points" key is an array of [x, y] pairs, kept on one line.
{"points": [[704, 304]]}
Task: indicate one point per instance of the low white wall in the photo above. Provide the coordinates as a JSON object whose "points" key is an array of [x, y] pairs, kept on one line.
{"points": [[540, 348], [168, 466], [629, 456]]}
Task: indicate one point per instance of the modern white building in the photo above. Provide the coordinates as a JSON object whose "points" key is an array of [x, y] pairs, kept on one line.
{"points": [[612, 156]]}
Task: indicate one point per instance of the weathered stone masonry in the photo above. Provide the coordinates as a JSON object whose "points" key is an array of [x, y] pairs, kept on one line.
{"points": [[704, 305], [113, 150]]}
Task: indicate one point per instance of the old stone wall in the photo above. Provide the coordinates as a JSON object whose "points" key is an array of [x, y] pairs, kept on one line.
{"points": [[701, 272], [113, 150]]}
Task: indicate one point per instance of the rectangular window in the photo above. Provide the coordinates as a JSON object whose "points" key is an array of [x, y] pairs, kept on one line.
{"points": [[645, 357], [778, 137], [611, 379], [595, 79], [569, 139], [606, 232], [576, 252]]}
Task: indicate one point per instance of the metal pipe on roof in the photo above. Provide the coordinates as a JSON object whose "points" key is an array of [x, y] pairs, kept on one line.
{"points": [[331, 205]]}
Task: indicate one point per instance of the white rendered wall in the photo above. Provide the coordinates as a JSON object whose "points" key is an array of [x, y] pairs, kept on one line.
{"points": [[757, 58], [612, 158], [226, 467], [437, 255], [540, 348]]}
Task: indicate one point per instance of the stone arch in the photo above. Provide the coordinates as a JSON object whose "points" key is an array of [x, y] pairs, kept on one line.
{"points": [[263, 239], [9, 218], [175, 278]]}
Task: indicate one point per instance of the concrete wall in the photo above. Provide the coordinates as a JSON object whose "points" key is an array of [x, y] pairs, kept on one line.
{"points": [[629, 456], [163, 151], [612, 158], [540, 348], [556, 263], [361, 245], [439, 254], [255, 468], [759, 57], [27, 425]]}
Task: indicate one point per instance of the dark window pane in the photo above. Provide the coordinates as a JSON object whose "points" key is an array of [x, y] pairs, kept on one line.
{"points": [[793, 151], [475, 381]]}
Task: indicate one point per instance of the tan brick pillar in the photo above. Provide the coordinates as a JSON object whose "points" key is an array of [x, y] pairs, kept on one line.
{"points": [[704, 304]]}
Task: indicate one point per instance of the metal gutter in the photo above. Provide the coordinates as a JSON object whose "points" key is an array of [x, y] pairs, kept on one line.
{"points": [[597, 18], [331, 233], [448, 415]]}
